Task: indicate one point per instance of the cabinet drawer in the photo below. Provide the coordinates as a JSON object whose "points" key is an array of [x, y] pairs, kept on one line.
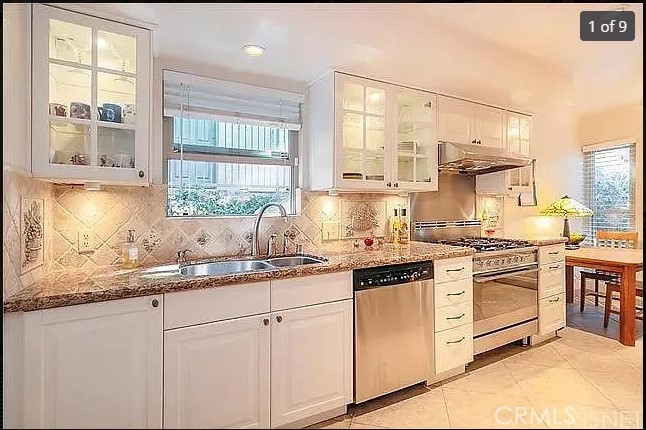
{"points": [[452, 316], [551, 313], [454, 292], [551, 254], [453, 348], [215, 304], [452, 269], [551, 279], [310, 290]]}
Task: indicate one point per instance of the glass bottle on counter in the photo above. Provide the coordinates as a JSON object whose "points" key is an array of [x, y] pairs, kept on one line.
{"points": [[396, 225], [403, 227], [130, 252]]}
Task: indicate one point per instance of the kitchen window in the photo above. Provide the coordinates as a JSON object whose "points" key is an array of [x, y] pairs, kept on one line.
{"points": [[229, 148], [609, 189]]}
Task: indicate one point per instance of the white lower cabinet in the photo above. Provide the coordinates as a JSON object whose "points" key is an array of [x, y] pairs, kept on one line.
{"points": [[95, 365], [217, 375], [311, 361]]}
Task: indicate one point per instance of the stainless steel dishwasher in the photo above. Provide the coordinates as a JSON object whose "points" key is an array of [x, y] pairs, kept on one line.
{"points": [[391, 350]]}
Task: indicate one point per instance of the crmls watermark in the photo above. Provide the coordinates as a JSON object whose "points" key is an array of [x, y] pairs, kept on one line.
{"points": [[567, 416]]}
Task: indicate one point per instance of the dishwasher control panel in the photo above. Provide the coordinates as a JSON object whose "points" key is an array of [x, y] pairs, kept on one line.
{"points": [[396, 274]]}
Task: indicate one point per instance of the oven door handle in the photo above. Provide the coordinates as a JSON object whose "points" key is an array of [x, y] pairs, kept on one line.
{"points": [[477, 278]]}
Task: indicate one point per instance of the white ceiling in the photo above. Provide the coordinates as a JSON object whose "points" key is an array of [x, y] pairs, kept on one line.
{"points": [[518, 55]]}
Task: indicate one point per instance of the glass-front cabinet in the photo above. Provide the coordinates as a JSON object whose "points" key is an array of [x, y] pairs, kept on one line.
{"points": [[362, 131], [416, 150], [90, 101], [386, 137], [518, 138]]}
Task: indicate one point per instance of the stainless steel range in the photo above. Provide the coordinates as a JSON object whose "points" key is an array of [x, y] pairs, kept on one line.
{"points": [[505, 289]]}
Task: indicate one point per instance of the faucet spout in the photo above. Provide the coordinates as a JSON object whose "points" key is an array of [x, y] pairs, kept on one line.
{"points": [[255, 240]]}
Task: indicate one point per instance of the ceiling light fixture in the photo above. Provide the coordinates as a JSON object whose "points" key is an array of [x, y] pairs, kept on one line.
{"points": [[92, 186], [253, 50]]}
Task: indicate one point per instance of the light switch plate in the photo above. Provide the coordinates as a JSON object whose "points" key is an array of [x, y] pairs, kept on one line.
{"points": [[330, 230], [85, 242]]}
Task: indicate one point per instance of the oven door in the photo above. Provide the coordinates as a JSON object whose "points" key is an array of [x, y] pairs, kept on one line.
{"points": [[504, 299]]}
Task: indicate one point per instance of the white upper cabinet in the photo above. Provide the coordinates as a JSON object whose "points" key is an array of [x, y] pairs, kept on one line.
{"points": [[461, 121], [518, 137], [415, 167], [370, 135], [490, 126], [457, 120], [90, 98]]}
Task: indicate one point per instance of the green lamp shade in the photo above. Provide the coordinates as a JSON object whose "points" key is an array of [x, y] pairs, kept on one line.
{"points": [[566, 207]]}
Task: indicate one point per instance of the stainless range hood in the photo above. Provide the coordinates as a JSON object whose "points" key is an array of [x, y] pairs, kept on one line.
{"points": [[468, 159]]}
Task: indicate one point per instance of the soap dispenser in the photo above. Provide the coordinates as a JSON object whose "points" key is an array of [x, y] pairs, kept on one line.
{"points": [[130, 252]]}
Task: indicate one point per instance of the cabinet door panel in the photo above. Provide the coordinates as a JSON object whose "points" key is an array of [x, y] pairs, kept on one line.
{"points": [[311, 361], [491, 126], [456, 120], [217, 375], [94, 366]]}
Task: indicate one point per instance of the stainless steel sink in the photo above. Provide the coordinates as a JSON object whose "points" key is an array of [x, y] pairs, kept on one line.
{"points": [[225, 268], [293, 261]]}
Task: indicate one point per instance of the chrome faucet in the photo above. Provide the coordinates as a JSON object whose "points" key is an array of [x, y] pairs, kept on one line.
{"points": [[181, 256], [255, 246]]}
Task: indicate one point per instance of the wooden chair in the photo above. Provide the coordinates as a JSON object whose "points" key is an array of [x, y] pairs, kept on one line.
{"points": [[609, 239], [612, 287]]}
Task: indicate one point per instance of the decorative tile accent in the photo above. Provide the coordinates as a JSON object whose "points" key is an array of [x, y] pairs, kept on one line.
{"points": [[363, 218], [203, 237], [32, 230]]}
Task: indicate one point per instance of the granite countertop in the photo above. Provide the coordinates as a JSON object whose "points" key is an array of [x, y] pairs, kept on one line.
{"points": [[544, 240], [73, 287]]}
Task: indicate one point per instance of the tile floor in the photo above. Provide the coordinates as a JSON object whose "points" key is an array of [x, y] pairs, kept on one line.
{"points": [[583, 379]]}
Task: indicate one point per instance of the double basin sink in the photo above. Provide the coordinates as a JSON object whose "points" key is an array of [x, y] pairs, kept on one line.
{"points": [[231, 267]]}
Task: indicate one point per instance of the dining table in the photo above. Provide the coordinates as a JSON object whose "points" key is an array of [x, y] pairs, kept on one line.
{"points": [[626, 263]]}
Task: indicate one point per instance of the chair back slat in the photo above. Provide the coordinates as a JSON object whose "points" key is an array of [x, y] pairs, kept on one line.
{"points": [[617, 239]]}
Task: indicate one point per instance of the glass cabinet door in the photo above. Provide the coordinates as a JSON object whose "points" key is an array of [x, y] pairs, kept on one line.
{"points": [[363, 132], [518, 137], [92, 81], [416, 150]]}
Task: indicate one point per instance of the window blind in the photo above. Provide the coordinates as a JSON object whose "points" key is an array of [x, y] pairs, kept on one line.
{"points": [[230, 102], [609, 189]]}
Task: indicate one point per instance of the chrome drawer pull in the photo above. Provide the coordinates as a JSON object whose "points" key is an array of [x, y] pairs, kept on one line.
{"points": [[455, 318], [553, 267], [554, 253], [455, 270], [448, 342], [456, 294], [555, 300]]}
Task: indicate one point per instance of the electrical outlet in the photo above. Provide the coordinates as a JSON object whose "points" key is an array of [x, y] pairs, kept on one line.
{"points": [[330, 230], [85, 241]]}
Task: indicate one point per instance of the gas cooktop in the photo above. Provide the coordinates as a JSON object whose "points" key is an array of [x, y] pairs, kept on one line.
{"points": [[484, 244]]}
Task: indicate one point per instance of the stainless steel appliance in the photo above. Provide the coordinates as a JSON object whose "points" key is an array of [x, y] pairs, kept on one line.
{"points": [[391, 347], [505, 290], [469, 159]]}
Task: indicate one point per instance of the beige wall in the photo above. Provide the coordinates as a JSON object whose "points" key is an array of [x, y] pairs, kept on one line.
{"points": [[623, 123]]}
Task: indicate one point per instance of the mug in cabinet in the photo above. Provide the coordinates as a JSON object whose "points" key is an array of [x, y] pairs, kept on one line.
{"points": [[124, 160], [110, 112], [129, 113], [79, 110], [57, 109]]}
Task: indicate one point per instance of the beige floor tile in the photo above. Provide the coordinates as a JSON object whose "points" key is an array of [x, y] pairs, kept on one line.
{"points": [[469, 409], [624, 387], [571, 415], [335, 423], [493, 378], [596, 359], [556, 383], [364, 426], [541, 355], [423, 411], [584, 341]]}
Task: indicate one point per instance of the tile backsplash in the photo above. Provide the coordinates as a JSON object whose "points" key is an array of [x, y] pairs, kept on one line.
{"points": [[17, 272], [111, 212]]}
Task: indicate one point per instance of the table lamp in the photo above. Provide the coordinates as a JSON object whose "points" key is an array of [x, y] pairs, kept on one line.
{"points": [[567, 208]]}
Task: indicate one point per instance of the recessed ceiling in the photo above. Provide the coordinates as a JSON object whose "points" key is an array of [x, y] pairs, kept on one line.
{"points": [[517, 55]]}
